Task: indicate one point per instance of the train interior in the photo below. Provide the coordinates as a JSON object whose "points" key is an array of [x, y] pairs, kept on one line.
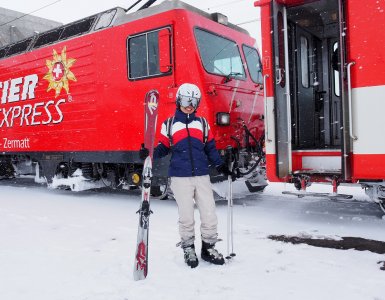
{"points": [[308, 69], [313, 35]]}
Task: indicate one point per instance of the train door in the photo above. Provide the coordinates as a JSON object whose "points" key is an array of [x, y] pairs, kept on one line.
{"points": [[305, 86], [281, 90], [310, 89], [151, 66]]}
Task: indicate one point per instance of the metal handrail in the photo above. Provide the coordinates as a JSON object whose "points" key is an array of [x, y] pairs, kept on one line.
{"points": [[265, 100], [350, 100]]}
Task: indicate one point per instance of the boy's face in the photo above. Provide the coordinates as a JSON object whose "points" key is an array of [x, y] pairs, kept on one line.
{"points": [[187, 110]]}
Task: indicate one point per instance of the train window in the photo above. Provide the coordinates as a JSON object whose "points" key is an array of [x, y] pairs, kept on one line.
{"points": [[152, 54], [3, 51], [138, 56], [19, 47], [143, 55], [253, 63], [65, 32], [48, 38], [336, 73], [304, 54], [223, 59], [77, 28]]}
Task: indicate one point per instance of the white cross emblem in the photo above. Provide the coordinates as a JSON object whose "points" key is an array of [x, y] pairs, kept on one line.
{"points": [[58, 70]]}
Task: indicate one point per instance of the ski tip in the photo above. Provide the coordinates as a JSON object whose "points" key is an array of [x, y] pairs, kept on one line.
{"points": [[138, 277]]}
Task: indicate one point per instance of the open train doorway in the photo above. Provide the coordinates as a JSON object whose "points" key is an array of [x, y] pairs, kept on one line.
{"points": [[311, 122]]}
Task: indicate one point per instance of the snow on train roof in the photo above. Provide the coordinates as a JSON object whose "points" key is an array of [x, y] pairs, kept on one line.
{"points": [[112, 17]]}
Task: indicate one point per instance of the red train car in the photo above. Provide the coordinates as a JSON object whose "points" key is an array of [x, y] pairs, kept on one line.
{"points": [[72, 98], [325, 87]]}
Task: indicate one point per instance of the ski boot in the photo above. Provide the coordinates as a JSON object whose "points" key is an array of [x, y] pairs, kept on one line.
{"points": [[190, 257], [210, 254]]}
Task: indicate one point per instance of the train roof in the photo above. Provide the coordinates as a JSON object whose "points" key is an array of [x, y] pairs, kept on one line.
{"points": [[168, 5], [109, 18]]}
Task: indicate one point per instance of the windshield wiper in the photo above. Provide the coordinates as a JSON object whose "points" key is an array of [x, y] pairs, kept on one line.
{"points": [[230, 76]]}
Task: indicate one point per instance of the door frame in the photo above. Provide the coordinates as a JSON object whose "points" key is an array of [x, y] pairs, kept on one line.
{"points": [[282, 113], [346, 142]]}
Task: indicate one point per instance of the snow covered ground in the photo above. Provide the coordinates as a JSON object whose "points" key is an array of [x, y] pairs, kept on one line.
{"points": [[61, 245]]}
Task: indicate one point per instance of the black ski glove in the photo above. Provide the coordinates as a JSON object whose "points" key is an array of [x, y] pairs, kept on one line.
{"points": [[224, 169], [143, 152]]}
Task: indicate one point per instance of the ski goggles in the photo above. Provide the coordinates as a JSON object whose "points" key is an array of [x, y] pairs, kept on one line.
{"points": [[188, 101]]}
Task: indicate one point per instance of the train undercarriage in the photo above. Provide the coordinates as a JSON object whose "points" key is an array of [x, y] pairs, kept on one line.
{"points": [[78, 176]]}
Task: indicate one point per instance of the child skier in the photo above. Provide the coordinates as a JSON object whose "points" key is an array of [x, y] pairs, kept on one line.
{"points": [[192, 148]]}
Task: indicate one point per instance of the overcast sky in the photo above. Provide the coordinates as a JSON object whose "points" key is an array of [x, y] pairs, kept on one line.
{"points": [[65, 11]]}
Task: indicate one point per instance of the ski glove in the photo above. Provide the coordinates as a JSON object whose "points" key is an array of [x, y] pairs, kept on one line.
{"points": [[224, 169], [143, 152]]}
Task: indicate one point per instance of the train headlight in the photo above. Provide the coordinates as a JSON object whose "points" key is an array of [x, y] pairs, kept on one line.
{"points": [[135, 178], [223, 119]]}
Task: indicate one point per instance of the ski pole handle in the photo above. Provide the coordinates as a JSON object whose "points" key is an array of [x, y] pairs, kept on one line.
{"points": [[229, 157]]}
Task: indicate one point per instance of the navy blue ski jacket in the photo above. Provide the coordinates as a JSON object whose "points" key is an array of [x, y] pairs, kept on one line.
{"points": [[190, 156]]}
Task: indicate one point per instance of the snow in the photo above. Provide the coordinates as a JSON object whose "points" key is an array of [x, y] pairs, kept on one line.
{"points": [[61, 245]]}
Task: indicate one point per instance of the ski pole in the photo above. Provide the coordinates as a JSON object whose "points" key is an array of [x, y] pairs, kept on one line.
{"points": [[230, 224], [228, 219]]}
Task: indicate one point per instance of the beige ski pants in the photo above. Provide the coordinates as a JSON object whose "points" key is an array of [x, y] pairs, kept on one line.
{"points": [[186, 190]]}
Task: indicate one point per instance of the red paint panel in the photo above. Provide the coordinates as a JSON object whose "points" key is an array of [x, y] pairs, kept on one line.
{"points": [[267, 50], [368, 166], [366, 42], [271, 168], [365, 166]]}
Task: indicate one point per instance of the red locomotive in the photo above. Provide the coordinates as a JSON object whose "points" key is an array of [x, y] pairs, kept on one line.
{"points": [[325, 87], [72, 97]]}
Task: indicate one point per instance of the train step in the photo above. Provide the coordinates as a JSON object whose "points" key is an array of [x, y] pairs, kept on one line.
{"points": [[310, 172], [331, 196]]}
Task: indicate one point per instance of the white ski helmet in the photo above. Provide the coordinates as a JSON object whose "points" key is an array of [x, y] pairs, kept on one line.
{"points": [[188, 94]]}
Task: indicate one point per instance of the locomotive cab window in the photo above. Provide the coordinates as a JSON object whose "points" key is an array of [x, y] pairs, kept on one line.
{"points": [[3, 51], [48, 38], [224, 59], [304, 62], [253, 62], [19, 47], [145, 54], [77, 28]]}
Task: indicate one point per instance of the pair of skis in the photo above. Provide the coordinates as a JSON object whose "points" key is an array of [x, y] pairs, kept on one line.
{"points": [[150, 120]]}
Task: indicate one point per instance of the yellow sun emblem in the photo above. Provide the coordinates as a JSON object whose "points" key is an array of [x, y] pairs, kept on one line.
{"points": [[59, 72]]}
